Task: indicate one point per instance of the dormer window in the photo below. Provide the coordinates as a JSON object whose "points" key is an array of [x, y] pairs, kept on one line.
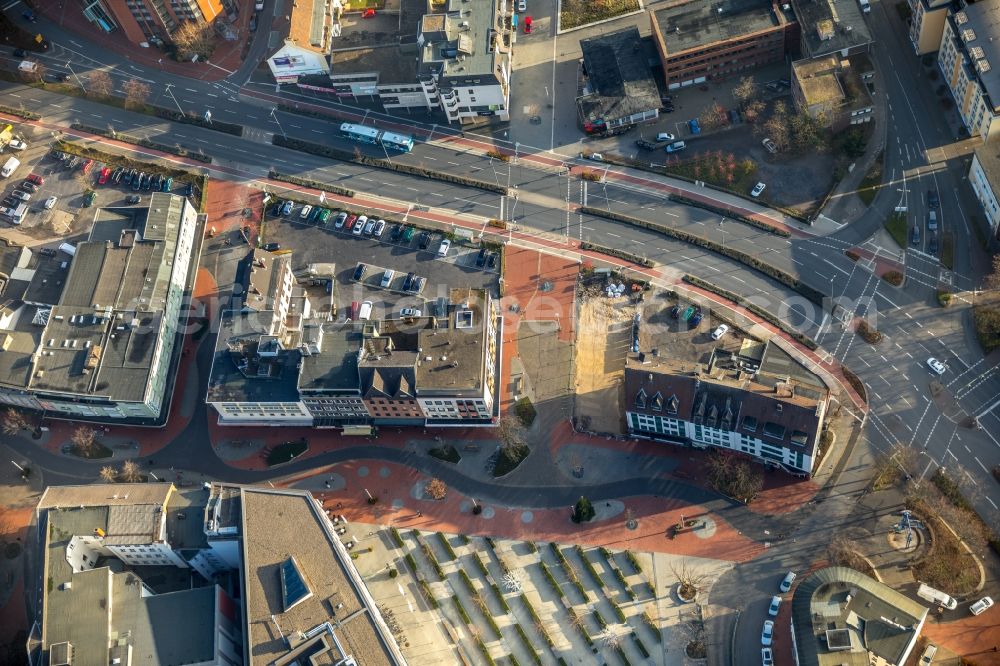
{"points": [[657, 402], [673, 404], [749, 424], [640, 399]]}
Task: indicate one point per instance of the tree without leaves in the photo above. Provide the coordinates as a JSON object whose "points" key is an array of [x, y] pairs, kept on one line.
{"points": [[993, 279], [109, 474], [13, 422], [100, 84], [193, 38], [691, 581], [713, 117], [744, 91], [734, 476], [753, 110], [436, 489], [130, 472], [84, 439], [136, 92], [509, 430]]}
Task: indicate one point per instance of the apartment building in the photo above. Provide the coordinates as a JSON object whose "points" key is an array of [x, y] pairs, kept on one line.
{"points": [[841, 616], [774, 419], [927, 19], [984, 176], [834, 89], [93, 335], [620, 91], [968, 50], [289, 363], [698, 41], [140, 572], [151, 21]]}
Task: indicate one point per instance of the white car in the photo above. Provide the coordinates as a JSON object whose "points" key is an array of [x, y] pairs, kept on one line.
{"points": [[522, 5], [936, 365], [775, 605], [597, 157], [51, 202], [766, 657], [767, 634], [379, 228], [370, 227], [359, 225], [304, 213], [770, 146], [410, 312], [720, 331], [444, 247], [981, 606], [665, 136], [757, 190], [17, 144], [786, 582]]}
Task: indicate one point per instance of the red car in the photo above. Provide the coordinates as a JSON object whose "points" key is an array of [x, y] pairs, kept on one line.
{"points": [[105, 172], [350, 221], [527, 25], [36, 179], [86, 166], [368, 13]]}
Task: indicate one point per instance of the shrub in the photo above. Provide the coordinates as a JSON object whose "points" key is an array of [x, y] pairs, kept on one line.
{"points": [[429, 554], [411, 562], [500, 598], [943, 297], [950, 489], [613, 252], [425, 590], [510, 457], [479, 565], [589, 566], [447, 453], [485, 651], [578, 624], [855, 383], [592, 176], [583, 511], [852, 255], [307, 182], [987, 321], [617, 611], [868, 332], [525, 412], [20, 113], [468, 582], [895, 278], [393, 573], [640, 647], [285, 452], [527, 644], [648, 621], [461, 610], [497, 155], [634, 561], [145, 143], [396, 537]]}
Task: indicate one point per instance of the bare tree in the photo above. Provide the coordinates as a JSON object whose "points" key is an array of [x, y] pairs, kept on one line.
{"points": [[846, 552], [100, 83], [33, 75], [109, 474], [690, 580], [993, 279], [734, 476], [136, 92], [131, 472], [691, 625], [510, 431], [193, 39], [436, 489], [744, 91], [13, 422], [84, 439], [753, 110], [713, 117]]}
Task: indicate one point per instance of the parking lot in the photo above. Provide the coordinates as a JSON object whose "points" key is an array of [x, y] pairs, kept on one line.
{"points": [[66, 190], [313, 243]]}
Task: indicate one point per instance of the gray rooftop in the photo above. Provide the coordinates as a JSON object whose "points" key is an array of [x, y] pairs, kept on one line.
{"points": [[456, 350], [830, 25], [876, 618], [619, 75], [165, 629], [48, 280], [694, 25], [19, 343], [240, 374], [468, 27], [387, 63], [989, 158], [185, 518], [277, 526], [334, 365], [982, 44]]}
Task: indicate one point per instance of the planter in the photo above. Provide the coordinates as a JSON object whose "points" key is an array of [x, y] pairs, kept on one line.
{"points": [[685, 592]]}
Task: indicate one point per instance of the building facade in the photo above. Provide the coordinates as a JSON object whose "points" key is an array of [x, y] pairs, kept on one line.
{"points": [[968, 49], [151, 21], [984, 176], [927, 19], [834, 89], [102, 345], [705, 407]]}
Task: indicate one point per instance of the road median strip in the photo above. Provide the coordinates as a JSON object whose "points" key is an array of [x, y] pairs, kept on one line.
{"points": [[614, 252], [314, 184], [357, 158], [787, 279], [145, 143]]}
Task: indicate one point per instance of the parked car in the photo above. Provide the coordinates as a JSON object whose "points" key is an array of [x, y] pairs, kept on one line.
{"points": [[665, 136], [936, 366], [304, 213], [915, 235], [932, 221], [694, 126], [410, 312], [51, 202], [324, 215], [137, 181], [787, 581], [105, 174], [769, 145], [424, 241], [597, 157], [387, 278], [379, 228], [133, 199], [128, 176], [338, 221], [696, 318], [359, 272], [20, 53], [47, 252], [349, 223], [370, 227], [642, 144], [116, 175], [408, 234], [675, 147], [522, 5], [87, 166], [17, 144], [933, 201], [359, 225], [29, 186], [767, 633], [932, 244], [90, 199], [286, 208], [757, 190], [395, 233], [444, 247], [21, 194], [981, 606], [168, 184], [775, 605], [766, 657], [408, 281], [36, 179], [272, 247], [148, 184], [527, 25]]}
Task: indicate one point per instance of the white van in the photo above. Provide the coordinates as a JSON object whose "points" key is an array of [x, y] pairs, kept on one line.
{"points": [[365, 313], [68, 248], [928, 655], [15, 214], [937, 596], [9, 167], [387, 277]]}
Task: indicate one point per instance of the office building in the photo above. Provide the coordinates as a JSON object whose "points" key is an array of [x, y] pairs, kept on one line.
{"points": [[834, 89], [927, 19], [969, 48], [620, 91], [984, 176]]}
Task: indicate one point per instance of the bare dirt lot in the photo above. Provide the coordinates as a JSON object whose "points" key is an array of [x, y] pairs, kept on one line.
{"points": [[604, 336]]}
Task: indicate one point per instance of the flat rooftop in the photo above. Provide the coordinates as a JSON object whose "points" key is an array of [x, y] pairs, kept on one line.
{"points": [[982, 45], [694, 25], [334, 366], [830, 25], [467, 26], [297, 576], [388, 63], [239, 373], [311, 23], [619, 75]]}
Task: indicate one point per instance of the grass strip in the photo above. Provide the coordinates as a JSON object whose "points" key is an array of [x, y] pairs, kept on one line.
{"points": [[537, 621], [551, 579], [396, 537], [589, 567], [527, 644], [145, 143], [500, 598], [614, 252], [634, 561], [446, 546], [308, 182]]}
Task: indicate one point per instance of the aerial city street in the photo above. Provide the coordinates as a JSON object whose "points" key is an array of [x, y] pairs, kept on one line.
{"points": [[500, 332]]}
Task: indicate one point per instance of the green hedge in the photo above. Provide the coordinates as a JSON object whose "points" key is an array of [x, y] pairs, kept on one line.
{"points": [[191, 119], [950, 490], [479, 565], [485, 652], [589, 567], [617, 610], [499, 596], [348, 156], [396, 537], [551, 579], [634, 561], [527, 644], [648, 621], [429, 554], [784, 233], [613, 252], [145, 143], [640, 647], [461, 610], [306, 182], [537, 621], [754, 308], [27, 115], [600, 619], [411, 561], [781, 276], [569, 570], [443, 540], [468, 582], [425, 589]]}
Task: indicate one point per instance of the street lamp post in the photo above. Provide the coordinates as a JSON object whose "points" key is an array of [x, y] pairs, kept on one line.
{"points": [[275, 118], [171, 93], [78, 81]]}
